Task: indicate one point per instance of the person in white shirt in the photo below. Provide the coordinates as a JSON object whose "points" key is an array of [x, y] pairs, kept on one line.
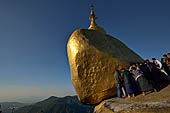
{"points": [[159, 66], [157, 63]]}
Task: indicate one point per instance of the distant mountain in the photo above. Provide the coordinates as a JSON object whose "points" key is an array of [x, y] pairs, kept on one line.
{"points": [[69, 104], [6, 106]]}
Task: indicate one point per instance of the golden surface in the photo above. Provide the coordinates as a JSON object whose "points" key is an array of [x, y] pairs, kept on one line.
{"points": [[93, 58]]}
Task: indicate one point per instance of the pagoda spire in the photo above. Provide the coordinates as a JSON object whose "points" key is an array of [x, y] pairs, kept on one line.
{"points": [[93, 25], [92, 15]]}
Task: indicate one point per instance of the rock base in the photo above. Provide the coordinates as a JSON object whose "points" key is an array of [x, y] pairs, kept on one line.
{"points": [[156, 102]]}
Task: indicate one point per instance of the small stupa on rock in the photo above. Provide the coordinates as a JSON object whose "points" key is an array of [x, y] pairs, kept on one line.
{"points": [[93, 25], [93, 57]]}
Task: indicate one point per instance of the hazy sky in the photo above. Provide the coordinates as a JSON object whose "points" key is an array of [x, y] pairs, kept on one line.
{"points": [[34, 34]]}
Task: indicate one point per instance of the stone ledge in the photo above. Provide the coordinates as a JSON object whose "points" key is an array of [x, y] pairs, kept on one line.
{"points": [[158, 102]]}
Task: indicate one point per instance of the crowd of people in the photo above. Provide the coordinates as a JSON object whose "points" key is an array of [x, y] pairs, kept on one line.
{"points": [[142, 77]]}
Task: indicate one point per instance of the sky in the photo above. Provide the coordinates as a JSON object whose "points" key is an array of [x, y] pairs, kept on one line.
{"points": [[34, 34]]}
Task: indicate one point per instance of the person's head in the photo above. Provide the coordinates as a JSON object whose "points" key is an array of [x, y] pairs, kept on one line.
{"points": [[123, 69], [117, 71], [141, 64], [153, 59], [137, 64], [134, 68], [165, 56], [168, 54], [147, 61], [134, 65]]}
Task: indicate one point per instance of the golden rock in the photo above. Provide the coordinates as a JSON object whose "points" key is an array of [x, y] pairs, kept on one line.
{"points": [[93, 57]]}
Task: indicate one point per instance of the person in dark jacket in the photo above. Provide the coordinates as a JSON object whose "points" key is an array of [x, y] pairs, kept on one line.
{"points": [[118, 82], [155, 72], [128, 82], [145, 70]]}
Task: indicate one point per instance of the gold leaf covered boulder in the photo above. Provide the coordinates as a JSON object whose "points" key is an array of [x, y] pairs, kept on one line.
{"points": [[93, 57]]}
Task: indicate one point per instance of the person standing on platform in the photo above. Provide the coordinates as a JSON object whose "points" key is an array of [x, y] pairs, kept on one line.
{"points": [[118, 82], [127, 82]]}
